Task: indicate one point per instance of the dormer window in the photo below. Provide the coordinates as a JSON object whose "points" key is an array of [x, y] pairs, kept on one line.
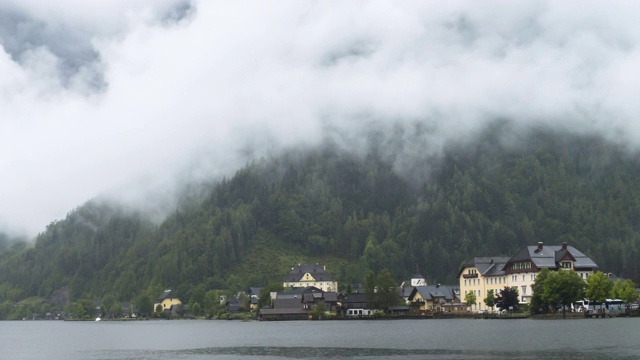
{"points": [[566, 264]]}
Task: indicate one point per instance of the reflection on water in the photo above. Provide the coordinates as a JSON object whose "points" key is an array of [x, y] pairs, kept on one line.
{"points": [[256, 352]]}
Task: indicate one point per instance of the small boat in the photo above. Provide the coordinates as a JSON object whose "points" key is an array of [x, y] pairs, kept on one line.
{"points": [[98, 318]]}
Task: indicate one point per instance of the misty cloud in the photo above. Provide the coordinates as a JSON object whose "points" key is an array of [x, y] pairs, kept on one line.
{"points": [[122, 97]]}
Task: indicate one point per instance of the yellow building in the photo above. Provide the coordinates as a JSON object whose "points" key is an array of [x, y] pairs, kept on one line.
{"points": [[311, 275], [167, 300], [434, 298], [482, 274]]}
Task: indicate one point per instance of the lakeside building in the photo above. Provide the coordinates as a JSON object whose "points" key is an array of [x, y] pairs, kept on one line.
{"points": [[167, 301], [303, 276], [481, 274]]}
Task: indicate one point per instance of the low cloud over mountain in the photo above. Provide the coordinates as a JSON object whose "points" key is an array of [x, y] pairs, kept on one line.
{"points": [[128, 98]]}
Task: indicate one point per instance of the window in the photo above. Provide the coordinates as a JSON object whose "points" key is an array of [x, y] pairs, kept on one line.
{"points": [[524, 290], [522, 277], [465, 282], [566, 264]]}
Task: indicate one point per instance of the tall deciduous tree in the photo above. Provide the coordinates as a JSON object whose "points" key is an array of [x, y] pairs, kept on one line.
{"points": [[598, 287], [625, 291], [537, 301], [145, 306], [490, 300], [508, 298], [563, 288], [470, 299], [387, 294]]}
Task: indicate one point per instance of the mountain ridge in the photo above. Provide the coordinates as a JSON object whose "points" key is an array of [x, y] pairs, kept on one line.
{"points": [[485, 197]]}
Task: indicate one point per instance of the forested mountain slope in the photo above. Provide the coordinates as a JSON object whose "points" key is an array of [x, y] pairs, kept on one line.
{"points": [[355, 213]]}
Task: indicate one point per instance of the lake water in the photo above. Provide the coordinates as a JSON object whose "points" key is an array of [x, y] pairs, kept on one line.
{"points": [[617, 338]]}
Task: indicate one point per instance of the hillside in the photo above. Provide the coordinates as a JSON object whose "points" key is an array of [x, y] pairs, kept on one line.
{"points": [[355, 213]]}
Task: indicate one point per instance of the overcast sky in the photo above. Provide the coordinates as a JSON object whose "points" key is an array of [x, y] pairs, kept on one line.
{"points": [[122, 97]]}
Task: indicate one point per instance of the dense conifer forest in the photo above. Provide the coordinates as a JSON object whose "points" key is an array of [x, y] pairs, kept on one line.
{"points": [[356, 213]]}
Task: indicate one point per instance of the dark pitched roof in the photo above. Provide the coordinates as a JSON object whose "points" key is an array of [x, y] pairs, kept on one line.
{"points": [[287, 304], [405, 290], [298, 292], [308, 297], [167, 294], [254, 291], [487, 265], [318, 272], [433, 292], [331, 297], [549, 255], [355, 298]]}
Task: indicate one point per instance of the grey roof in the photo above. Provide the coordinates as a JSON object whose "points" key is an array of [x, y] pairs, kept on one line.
{"points": [[355, 298], [254, 291], [431, 292], [405, 289], [297, 292], [317, 271], [289, 295], [308, 297], [167, 294], [331, 297], [487, 265], [550, 255], [287, 304]]}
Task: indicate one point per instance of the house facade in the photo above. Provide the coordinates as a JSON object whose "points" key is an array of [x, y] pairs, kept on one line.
{"points": [[434, 298], [167, 301], [303, 276], [482, 274]]}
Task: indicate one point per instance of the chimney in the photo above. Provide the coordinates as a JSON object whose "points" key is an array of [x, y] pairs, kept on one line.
{"points": [[564, 246], [540, 245]]}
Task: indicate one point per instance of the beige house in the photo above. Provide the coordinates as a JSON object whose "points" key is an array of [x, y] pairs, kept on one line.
{"points": [[167, 301], [482, 274], [434, 298], [311, 275]]}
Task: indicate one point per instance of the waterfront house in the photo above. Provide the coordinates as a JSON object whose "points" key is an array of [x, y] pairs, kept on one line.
{"points": [[167, 301], [357, 305], [482, 274], [406, 290], [434, 298], [254, 297], [310, 275], [285, 309], [332, 300]]}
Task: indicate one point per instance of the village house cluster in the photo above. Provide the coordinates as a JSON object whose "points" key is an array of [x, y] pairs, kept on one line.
{"points": [[309, 286]]}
